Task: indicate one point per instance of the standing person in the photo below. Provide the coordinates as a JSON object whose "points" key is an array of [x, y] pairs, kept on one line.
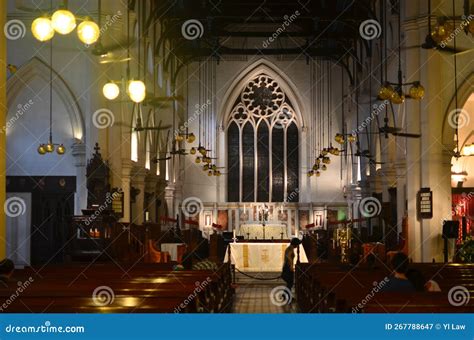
{"points": [[288, 271]]}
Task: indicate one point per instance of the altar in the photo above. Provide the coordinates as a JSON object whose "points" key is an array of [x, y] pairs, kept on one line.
{"points": [[263, 232], [260, 257]]}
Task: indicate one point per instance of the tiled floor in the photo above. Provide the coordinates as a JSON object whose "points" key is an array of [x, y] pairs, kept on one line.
{"points": [[262, 296]]}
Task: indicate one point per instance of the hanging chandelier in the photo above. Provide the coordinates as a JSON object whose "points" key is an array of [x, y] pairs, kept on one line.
{"points": [[394, 91], [49, 147], [63, 22]]}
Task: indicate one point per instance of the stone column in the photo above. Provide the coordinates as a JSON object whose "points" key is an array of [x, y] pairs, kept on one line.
{"points": [[80, 199], [126, 186], [138, 182], [3, 114], [150, 188]]}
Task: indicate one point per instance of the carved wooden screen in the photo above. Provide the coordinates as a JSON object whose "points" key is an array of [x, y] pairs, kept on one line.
{"points": [[262, 144]]}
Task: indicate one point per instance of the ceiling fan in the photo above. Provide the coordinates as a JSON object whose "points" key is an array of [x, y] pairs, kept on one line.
{"points": [[394, 131]]}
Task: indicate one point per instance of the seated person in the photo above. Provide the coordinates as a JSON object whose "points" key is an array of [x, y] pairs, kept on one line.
{"points": [[201, 261], [398, 281], [6, 271], [417, 279]]}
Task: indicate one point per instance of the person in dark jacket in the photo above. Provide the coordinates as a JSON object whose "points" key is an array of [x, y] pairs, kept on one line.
{"points": [[288, 271]]}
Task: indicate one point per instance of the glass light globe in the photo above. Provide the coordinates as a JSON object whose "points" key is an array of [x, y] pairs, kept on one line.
{"points": [[88, 32], [42, 29], [111, 91], [63, 21], [41, 149], [191, 138], [318, 173], [192, 151], [49, 147], [137, 91], [310, 173], [209, 173], [385, 92], [61, 149], [417, 91], [198, 160], [397, 98]]}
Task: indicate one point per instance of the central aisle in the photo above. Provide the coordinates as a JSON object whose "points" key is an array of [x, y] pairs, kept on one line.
{"points": [[255, 296]]}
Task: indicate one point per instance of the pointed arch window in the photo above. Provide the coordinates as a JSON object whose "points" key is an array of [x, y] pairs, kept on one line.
{"points": [[262, 144]]}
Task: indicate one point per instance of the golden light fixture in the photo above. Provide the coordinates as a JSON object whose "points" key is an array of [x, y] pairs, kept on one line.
{"points": [[339, 138], [42, 29], [442, 31], [386, 92], [88, 32], [179, 138], [324, 167], [41, 149], [209, 173], [310, 173], [61, 149], [397, 98], [111, 90], [351, 138], [205, 167], [191, 138], [137, 91], [417, 91], [192, 151], [318, 173], [63, 21], [198, 160], [49, 147]]}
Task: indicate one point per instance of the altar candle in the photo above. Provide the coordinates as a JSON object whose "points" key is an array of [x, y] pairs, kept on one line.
{"points": [[233, 233], [244, 208]]}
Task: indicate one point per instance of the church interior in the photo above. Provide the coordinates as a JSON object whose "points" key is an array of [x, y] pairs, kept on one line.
{"points": [[236, 156]]}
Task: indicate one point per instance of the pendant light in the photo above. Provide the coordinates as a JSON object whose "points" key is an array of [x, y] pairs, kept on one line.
{"points": [[49, 147], [393, 91]]}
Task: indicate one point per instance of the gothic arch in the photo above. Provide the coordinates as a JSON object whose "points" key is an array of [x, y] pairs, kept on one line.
{"points": [[36, 68], [266, 67], [465, 89]]}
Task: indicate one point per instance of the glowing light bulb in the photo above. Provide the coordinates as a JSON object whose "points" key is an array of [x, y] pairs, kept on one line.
{"points": [[63, 21], [111, 91], [42, 29], [88, 32], [137, 91]]}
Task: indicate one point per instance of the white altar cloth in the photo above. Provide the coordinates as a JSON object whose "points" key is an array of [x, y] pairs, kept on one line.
{"points": [[260, 257]]}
